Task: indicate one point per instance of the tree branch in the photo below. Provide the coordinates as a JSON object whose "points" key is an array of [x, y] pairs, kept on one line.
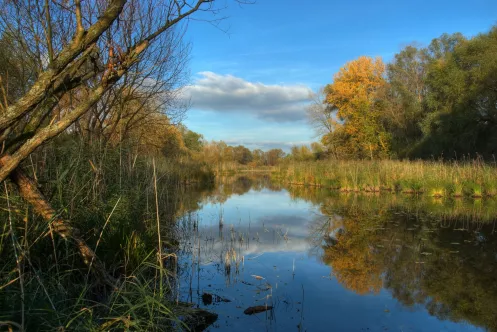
{"points": [[47, 79], [80, 30], [48, 32]]}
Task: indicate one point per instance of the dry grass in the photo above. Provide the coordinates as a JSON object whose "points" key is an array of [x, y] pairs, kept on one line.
{"points": [[434, 178]]}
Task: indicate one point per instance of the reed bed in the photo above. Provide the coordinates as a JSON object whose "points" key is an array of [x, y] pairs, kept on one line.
{"points": [[123, 207], [434, 178]]}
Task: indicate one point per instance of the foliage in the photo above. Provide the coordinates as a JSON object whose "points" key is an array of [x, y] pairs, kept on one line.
{"points": [[356, 92], [192, 140], [225, 156], [462, 100], [407, 94], [353, 259], [433, 101]]}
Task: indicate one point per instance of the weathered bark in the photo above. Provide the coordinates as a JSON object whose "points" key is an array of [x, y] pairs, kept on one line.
{"points": [[63, 74], [45, 83], [49, 80], [10, 164], [30, 192]]}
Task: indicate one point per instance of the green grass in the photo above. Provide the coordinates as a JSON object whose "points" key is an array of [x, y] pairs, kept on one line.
{"points": [[438, 179], [109, 195]]}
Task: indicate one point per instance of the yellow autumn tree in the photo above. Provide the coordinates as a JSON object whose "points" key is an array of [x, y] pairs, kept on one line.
{"points": [[357, 95]]}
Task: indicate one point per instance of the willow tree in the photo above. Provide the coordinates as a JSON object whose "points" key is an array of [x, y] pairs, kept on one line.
{"points": [[82, 50]]}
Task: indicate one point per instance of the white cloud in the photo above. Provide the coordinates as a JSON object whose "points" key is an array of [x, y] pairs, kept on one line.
{"points": [[227, 93]]}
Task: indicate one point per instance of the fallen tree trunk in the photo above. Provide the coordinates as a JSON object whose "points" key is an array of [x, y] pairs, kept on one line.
{"points": [[30, 193]]}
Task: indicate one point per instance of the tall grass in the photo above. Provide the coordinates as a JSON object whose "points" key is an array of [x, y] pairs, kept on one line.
{"points": [[115, 201], [234, 168], [438, 179]]}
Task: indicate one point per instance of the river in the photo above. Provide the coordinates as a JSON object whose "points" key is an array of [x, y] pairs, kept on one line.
{"points": [[326, 261]]}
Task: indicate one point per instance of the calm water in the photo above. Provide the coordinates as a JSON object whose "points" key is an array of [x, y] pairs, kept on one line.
{"points": [[334, 262]]}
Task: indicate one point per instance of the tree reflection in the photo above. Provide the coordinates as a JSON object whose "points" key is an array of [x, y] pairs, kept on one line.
{"points": [[425, 252], [353, 259], [443, 263]]}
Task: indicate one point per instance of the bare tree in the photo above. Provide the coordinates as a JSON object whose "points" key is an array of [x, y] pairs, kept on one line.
{"points": [[90, 55], [321, 116], [150, 88], [97, 34]]}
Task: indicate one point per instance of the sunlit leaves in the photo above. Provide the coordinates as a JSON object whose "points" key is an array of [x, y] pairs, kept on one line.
{"points": [[357, 94]]}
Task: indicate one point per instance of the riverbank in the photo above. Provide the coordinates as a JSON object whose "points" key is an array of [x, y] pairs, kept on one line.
{"points": [[474, 179], [119, 205]]}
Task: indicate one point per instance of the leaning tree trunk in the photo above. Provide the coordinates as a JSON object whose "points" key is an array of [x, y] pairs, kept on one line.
{"points": [[30, 192], [69, 70]]}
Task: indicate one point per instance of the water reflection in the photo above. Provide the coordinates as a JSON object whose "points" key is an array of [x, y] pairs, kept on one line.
{"points": [[397, 262], [449, 269]]}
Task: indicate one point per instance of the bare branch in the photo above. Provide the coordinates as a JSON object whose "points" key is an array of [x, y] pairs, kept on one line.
{"points": [[48, 31], [46, 80], [80, 30]]}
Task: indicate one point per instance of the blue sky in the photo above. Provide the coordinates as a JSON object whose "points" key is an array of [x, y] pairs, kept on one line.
{"points": [[251, 75]]}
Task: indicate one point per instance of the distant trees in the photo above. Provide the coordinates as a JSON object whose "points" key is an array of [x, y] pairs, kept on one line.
{"points": [[193, 141], [315, 151], [218, 152], [274, 156], [301, 153], [436, 101], [242, 155]]}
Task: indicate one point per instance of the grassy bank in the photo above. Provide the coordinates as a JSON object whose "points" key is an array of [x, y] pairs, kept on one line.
{"points": [[122, 212], [235, 168], [437, 179]]}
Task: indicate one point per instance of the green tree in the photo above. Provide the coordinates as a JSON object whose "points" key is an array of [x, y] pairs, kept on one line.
{"points": [[301, 153], [461, 97], [193, 141], [407, 92]]}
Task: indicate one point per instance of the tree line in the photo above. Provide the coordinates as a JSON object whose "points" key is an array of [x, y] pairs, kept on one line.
{"points": [[438, 101], [219, 152]]}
